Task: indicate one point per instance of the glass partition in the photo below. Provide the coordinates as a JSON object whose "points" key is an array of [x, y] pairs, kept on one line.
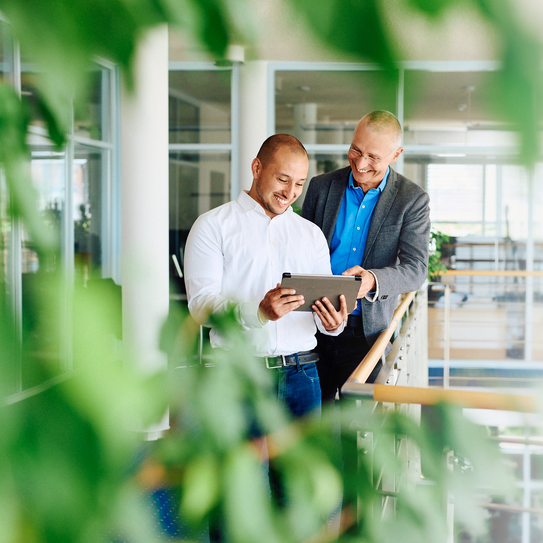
{"points": [[6, 56], [323, 107], [452, 108], [41, 273], [31, 96], [78, 206], [198, 182], [91, 119], [321, 163], [89, 216], [200, 106], [6, 73], [5, 236]]}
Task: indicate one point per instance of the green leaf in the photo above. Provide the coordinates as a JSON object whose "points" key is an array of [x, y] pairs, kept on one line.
{"points": [[200, 487], [352, 26], [246, 499], [433, 7]]}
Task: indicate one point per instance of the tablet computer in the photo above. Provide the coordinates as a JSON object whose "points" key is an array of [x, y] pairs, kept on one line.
{"points": [[315, 287]]}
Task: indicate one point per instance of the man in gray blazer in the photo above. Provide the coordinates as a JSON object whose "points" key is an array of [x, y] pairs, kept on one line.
{"points": [[377, 224]]}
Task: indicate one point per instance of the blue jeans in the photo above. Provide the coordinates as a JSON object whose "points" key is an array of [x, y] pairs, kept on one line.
{"points": [[299, 387]]}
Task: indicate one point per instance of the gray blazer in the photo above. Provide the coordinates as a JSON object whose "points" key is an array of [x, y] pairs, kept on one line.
{"points": [[397, 245]]}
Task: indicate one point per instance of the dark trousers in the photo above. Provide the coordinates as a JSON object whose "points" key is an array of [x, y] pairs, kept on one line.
{"points": [[339, 356]]}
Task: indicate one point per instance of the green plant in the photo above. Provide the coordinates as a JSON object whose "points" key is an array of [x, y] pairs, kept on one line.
{"points": [[69, 472], [437, 239]]}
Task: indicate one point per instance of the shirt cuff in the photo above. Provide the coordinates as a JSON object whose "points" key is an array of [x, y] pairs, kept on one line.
{"points": [[247, 315], [321, 328], [374, 295]]}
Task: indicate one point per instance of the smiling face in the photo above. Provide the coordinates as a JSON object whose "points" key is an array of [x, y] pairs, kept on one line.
{"points": [[279, 182], [379, 149]]}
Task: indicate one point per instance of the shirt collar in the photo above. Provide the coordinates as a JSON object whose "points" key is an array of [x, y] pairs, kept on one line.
{"points": [[249, 204], [380, 187]]}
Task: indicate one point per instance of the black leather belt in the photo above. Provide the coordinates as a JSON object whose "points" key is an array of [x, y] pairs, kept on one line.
{"points": [[281, 361], [354, 321]]}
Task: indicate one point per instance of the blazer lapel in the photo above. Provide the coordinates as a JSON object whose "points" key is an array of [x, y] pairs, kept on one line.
{"points": [[333, 202], [380, 212]]}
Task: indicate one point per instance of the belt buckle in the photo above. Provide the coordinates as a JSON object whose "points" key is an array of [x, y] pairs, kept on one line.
{"points": [[283, 359]]}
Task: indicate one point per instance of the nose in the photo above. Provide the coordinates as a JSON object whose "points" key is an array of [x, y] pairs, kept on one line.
{"points": [[290, 191], [361, 157]]}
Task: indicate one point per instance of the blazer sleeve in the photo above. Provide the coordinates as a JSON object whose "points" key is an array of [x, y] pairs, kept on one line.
{"points": [[410, 268]]}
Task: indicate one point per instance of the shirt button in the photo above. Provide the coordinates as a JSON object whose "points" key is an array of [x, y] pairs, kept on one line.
{"points": [[358, 227], [354, 248], [363, 207]]}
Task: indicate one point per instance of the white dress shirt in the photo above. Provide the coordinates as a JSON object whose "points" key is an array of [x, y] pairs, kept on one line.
{"points": [[235, 254]]}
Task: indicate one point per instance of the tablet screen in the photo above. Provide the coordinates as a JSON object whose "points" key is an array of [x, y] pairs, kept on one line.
{"points": [[315, 287]]}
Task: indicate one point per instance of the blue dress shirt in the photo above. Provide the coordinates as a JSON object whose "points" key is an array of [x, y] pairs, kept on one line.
{"points": [[352, 226]]}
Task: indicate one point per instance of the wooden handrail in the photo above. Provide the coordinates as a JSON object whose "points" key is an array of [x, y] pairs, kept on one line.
{"points": [[364, 369], [492, 273], [357, 388], [431, 396]]}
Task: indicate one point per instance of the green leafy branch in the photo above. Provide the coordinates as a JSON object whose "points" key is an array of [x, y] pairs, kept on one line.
{"points": [[437, 239]]}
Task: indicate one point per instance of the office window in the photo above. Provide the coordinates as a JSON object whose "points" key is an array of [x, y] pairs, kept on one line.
{"points": [[204, 170], [77, 202], [200, 106], [5, 52], [31, 96], [92, 119], [40, 273], [323, 107], [456, 192], [89, 212], [452, 108], [5, 236], [321, 162], [5, 223], [198, 182]]}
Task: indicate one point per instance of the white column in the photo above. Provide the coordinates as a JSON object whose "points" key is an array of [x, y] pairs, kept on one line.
{"points": [[144, 148], [254, 109]]}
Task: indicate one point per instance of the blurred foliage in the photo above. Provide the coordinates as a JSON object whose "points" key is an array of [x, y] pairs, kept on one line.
{"points": [[62, 39], [362, 29], [69, 471], [64, 456], [215, 462]]}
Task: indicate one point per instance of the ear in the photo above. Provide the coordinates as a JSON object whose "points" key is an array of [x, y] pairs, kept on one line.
{"points": [[397, 154], [256, 168]]}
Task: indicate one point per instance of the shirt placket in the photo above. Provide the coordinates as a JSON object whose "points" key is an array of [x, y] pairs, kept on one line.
{"points": [[355, 254]]}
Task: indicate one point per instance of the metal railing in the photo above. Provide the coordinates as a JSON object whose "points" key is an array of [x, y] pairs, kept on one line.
{"points": [[405, 366], [403, 384]]}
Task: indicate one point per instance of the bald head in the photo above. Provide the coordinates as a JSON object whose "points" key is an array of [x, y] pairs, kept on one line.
{"points": [[279, 142], [381, 122]]}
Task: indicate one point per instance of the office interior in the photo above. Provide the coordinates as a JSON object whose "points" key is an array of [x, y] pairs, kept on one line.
{"points": [[124, 193]]}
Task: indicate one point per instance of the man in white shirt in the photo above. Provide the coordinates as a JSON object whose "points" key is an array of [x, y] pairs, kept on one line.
{"points": [[234, 260]]}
